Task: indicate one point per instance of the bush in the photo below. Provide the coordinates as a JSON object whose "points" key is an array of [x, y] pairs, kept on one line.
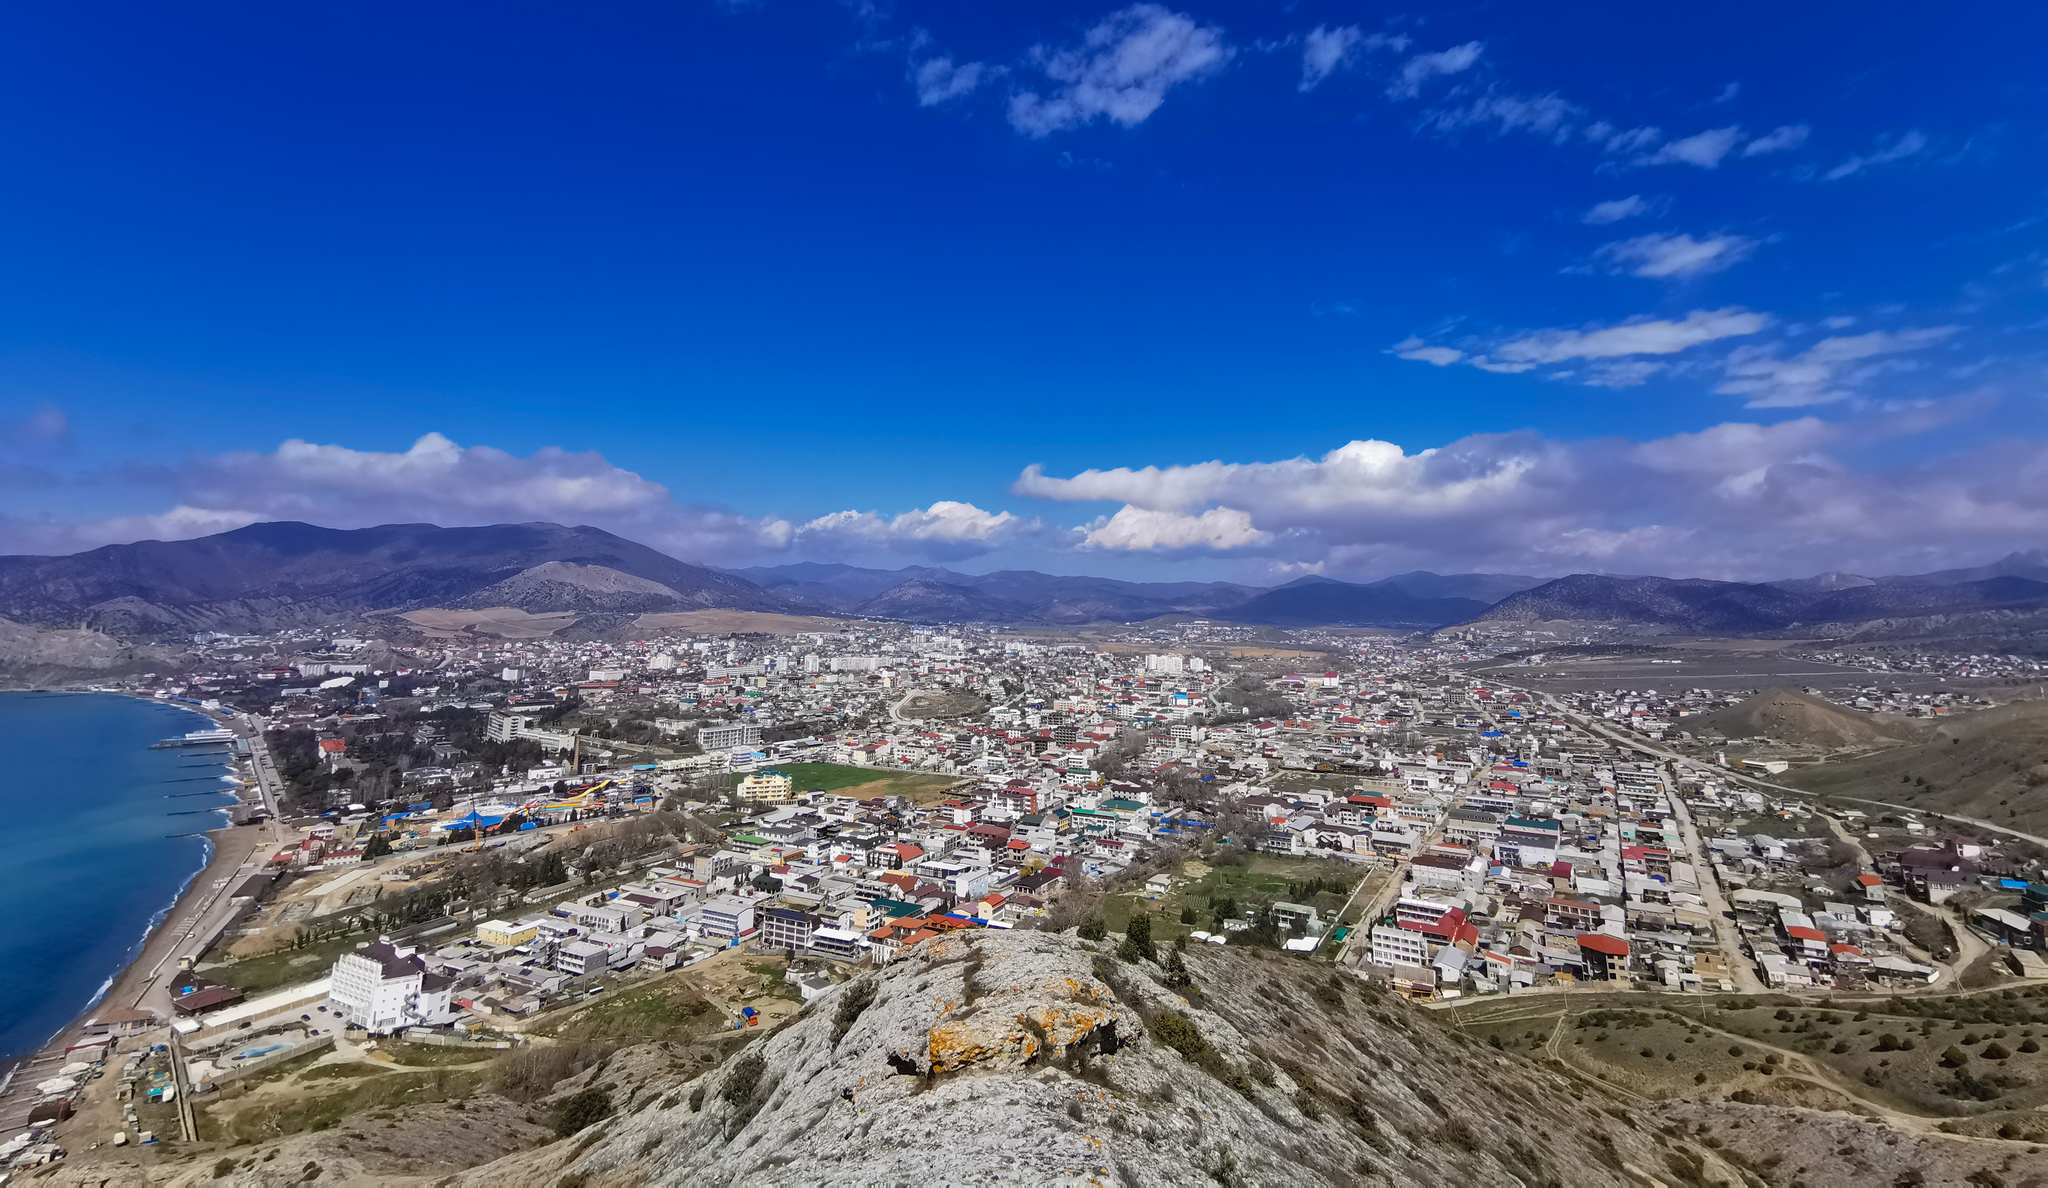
{"points": [[1954, 1058], [580, 1110], [1179, 1032], [2030, 1045], [1994, 1051], [744, 1079], [855, 999], [1092, 929]]}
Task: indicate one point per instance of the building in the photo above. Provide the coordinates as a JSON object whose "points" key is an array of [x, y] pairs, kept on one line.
{"points": [[506, 935], [767, 786], [1395, 945], [578, 958], [382, 988], [726, 916], [1604, 957], [787, 928], [727, 736]]}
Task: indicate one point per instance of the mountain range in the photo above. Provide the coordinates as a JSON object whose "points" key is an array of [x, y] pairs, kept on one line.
{"points": [[272, 575]]}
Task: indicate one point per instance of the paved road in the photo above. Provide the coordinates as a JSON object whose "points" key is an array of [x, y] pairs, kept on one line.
{"points": [[1741, 970]]}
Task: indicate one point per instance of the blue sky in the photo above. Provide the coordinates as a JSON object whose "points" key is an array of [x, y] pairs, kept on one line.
{"points": [[1177, 291]]}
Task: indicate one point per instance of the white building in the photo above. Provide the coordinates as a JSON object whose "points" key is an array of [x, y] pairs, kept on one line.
{"points": [[382, 988]]}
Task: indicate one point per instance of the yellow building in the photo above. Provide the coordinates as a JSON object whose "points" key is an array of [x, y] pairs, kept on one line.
{"points": [[767, 786], [498, 932]]}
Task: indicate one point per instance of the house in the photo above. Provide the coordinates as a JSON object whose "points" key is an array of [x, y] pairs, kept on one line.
{"points": [[1604, 958]]}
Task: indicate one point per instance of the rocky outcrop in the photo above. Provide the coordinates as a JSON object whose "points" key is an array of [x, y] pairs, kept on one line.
{"points": [[1027, 1058]]}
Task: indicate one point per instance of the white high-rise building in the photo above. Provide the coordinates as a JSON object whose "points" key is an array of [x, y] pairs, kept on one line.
{"points": [[382, 988]]}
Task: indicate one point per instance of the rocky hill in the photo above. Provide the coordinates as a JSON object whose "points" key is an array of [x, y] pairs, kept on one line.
{"points": [[1788, 715], [994, 1058], [1026, 1058]]}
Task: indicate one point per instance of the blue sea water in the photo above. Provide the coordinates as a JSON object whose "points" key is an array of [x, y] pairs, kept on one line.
{"points": [[90, 856]]}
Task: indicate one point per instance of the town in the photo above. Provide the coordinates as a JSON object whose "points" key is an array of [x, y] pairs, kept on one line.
{"points": [[465, 839]]}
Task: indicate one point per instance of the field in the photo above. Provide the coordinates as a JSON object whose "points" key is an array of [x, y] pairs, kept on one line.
{"points": [[1957, 1057], [1255, 882], [863, 782], [284, 967]]}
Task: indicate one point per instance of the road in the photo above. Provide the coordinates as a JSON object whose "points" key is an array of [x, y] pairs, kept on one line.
{"points": [[1742, 971], [1734, 776]]}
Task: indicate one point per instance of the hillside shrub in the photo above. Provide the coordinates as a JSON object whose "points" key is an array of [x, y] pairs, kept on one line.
{"points": [[583, 1109]]}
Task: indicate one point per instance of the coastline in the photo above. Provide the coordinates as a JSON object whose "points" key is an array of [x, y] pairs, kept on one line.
{"points": [[195, 913]]}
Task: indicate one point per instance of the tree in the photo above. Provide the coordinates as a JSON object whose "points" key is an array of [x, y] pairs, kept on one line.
{"points": [[1093, 929], [1187, 915], [1138, 939], [376, 847]]}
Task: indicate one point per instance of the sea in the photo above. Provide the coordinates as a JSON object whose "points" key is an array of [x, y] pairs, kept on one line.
{"points": [[100, 835]]}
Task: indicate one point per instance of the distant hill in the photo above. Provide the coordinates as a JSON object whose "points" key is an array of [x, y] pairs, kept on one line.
{"points": [[281, 574], [2032, 564], [1011, 595], [1791, 716], [1410, 600], [1704, 607], [1313, 601], [927, 600], [1687, 604]]}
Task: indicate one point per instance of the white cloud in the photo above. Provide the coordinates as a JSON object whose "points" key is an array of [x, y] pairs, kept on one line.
{"points": [[1144, 529], [1122, 69], [1423, 67], [1734, 500], [947, 530], [1542, 115], [1662, 255], [1414, 349], [1615, 209], [1704, 149], [1628, 373], [1905, 146], [1822, 373], [1777, 140], [940, 80], [1645, 337], [1728, 93], [1324, 50], [1633, 140]]}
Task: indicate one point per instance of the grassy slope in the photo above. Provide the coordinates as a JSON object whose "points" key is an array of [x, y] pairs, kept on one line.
{"points": [[1984, 765]]}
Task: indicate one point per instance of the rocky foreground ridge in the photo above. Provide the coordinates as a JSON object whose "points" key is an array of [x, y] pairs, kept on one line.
{"points": [[1027, 1058], [995, 1058]]}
